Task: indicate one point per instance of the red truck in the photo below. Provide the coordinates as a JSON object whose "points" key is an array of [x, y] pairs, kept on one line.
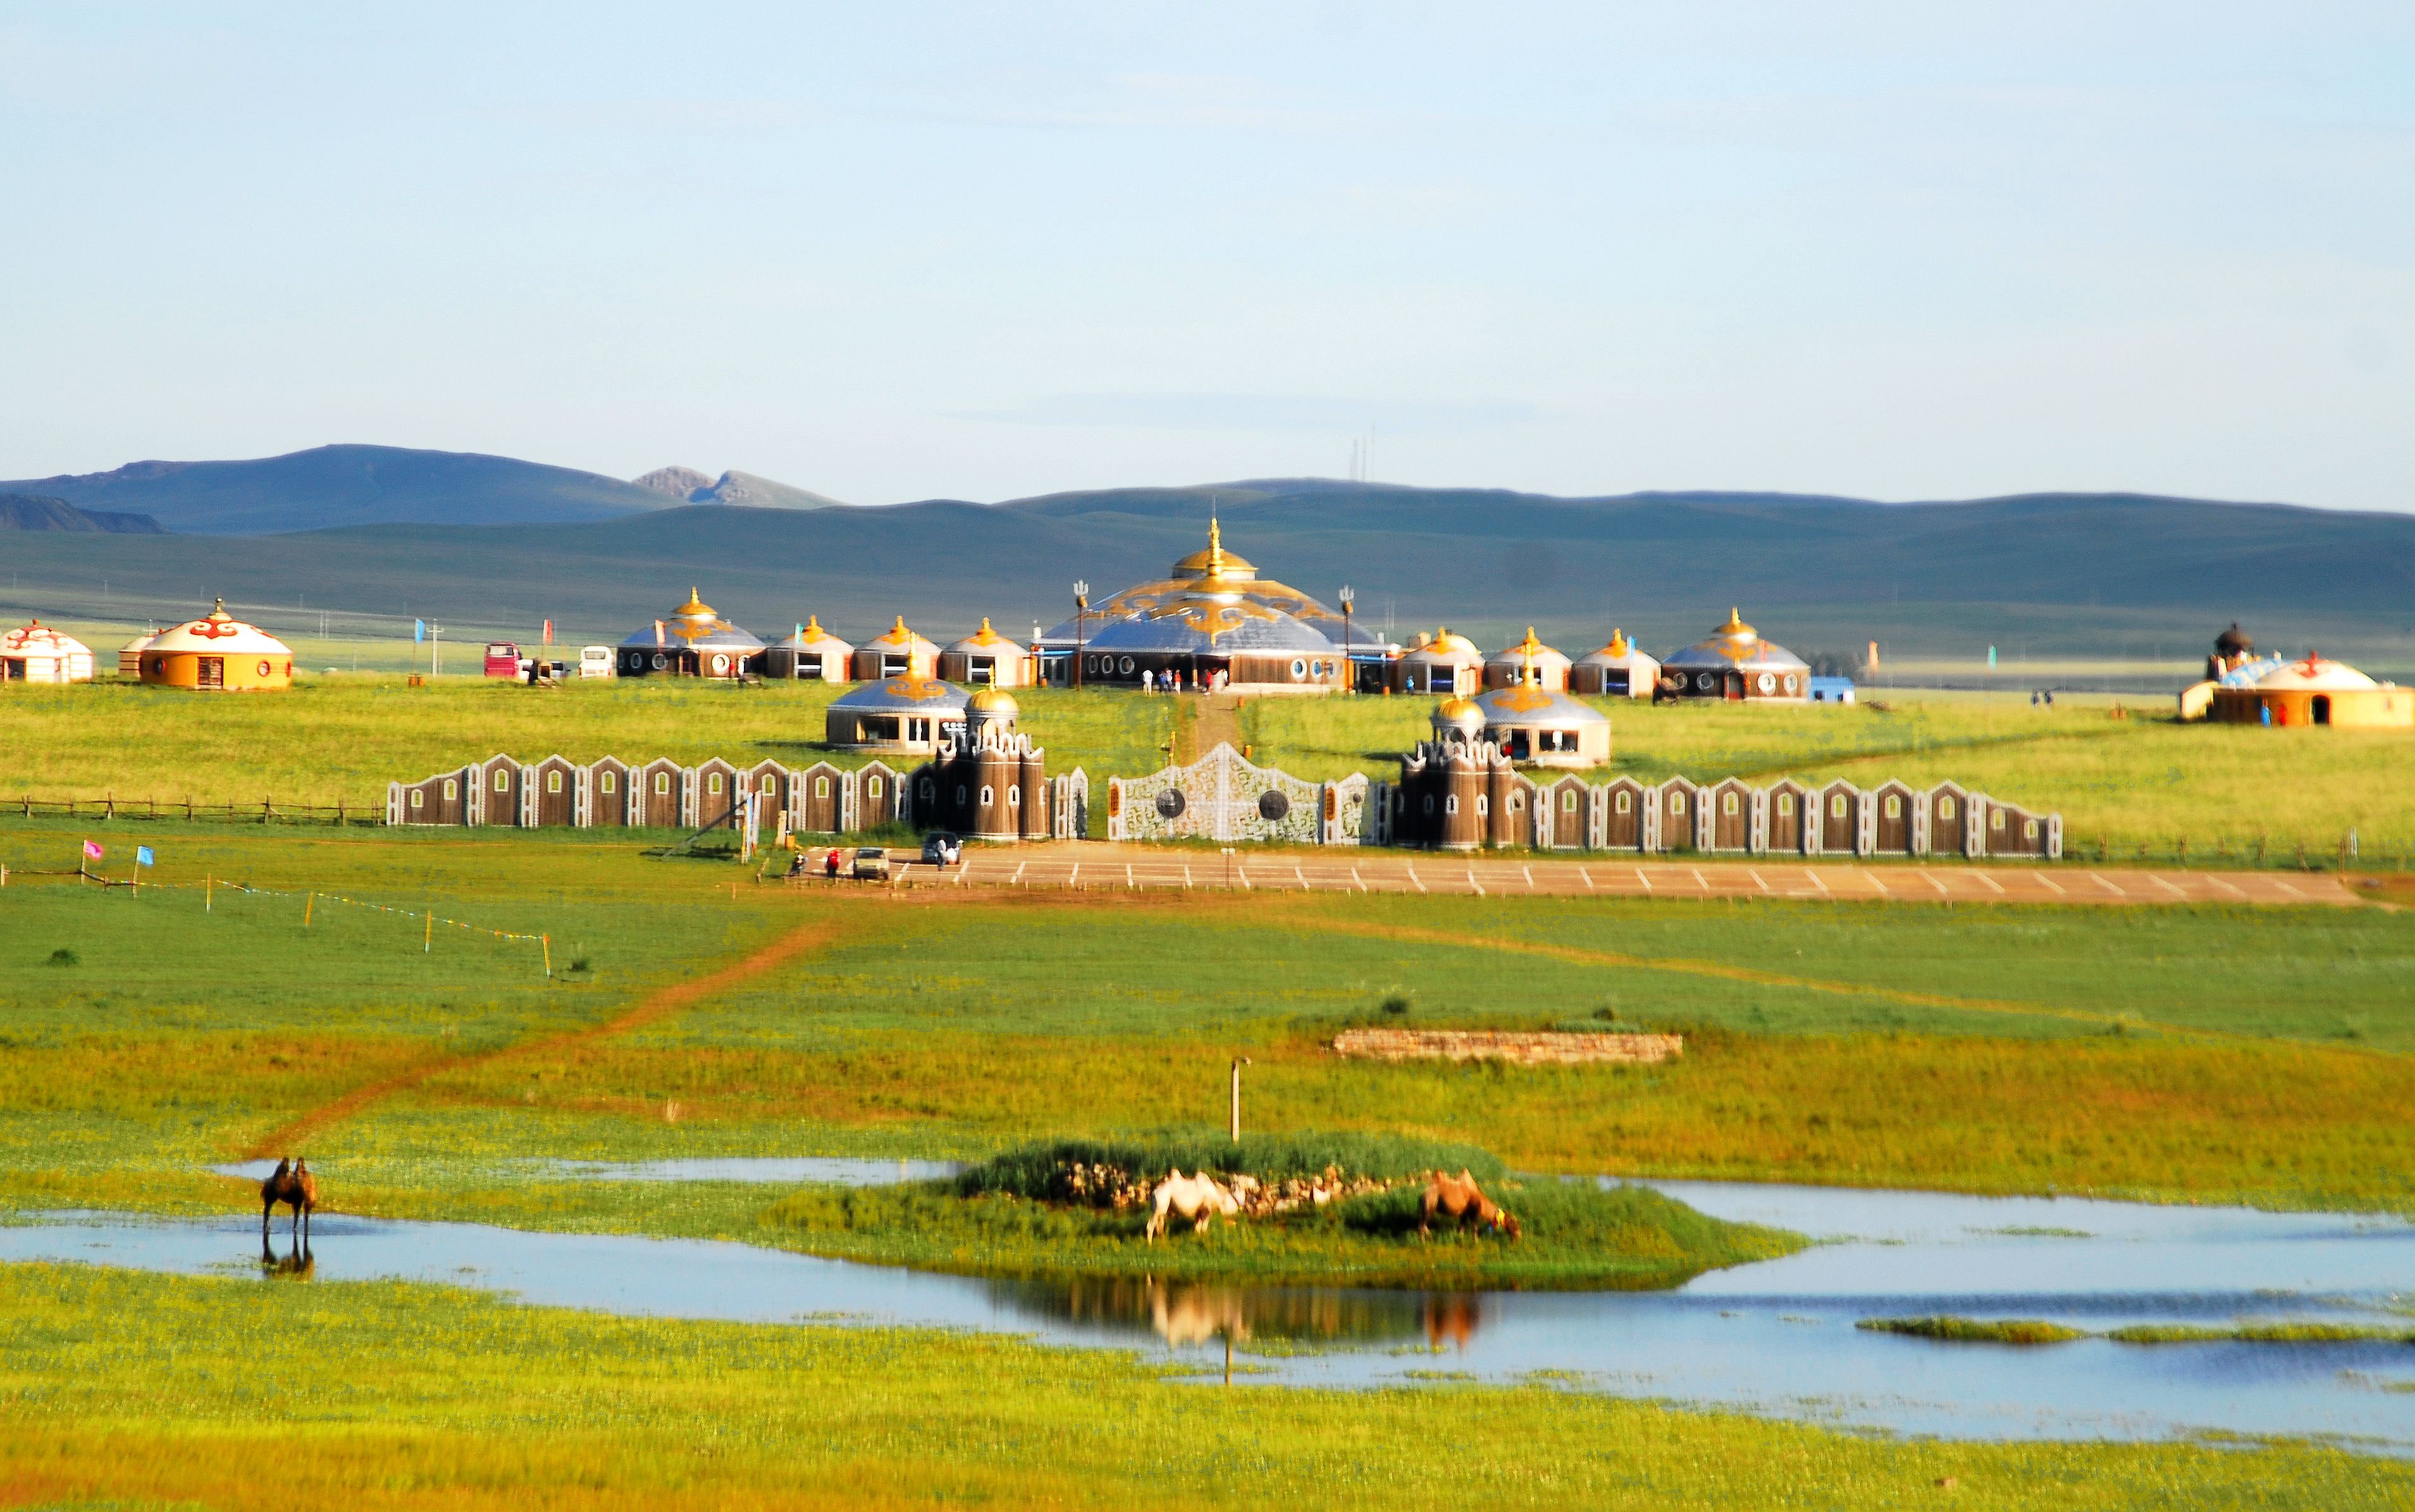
{"points": [[503, 659]]}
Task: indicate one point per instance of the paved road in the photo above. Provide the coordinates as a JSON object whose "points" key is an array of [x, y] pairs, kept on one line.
{"points": [[1093, 865]]}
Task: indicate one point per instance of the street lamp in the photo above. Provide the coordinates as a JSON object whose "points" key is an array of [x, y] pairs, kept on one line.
{"points": [[1081, 607], [1349, 664], [1238, 1064]]}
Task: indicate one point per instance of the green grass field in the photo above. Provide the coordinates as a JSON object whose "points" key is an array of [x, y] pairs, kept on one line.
{"points": [[2218, 1055], [2212, 793], [125, 1390]]}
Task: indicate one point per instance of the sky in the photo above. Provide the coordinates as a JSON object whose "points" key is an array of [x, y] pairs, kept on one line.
{"points": [[902, 251]]}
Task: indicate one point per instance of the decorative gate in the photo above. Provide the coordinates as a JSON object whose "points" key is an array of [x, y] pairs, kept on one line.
{"points": [[1217, 797]]}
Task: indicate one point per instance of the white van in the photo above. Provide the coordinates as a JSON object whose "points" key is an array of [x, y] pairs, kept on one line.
{"points": [[594, 661]]}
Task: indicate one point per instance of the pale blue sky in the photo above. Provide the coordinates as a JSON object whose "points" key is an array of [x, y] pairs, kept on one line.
{"points": [[894, 251]]}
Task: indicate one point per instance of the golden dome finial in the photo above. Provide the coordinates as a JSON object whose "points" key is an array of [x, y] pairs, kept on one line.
{"points": [[1617, 646], [1215, 547], [899, 628], [986, 629]]}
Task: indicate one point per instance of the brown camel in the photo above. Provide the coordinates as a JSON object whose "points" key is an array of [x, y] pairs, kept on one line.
{"points": [[1458, 1198], [291, 1183]]}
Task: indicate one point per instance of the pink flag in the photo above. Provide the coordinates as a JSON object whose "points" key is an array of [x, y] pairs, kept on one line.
{"points": [[92, 850]]}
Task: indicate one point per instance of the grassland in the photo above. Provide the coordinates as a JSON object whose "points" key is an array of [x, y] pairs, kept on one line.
{"points": [[1986, 1050], [131, 1390], [2217, 793]]}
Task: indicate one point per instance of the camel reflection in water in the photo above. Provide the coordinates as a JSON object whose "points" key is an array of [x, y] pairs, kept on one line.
{"points": [[296, 1265], [1188, 1312]]}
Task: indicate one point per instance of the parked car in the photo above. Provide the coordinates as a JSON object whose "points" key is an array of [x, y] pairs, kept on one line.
{"points": [[871, 864], [596, 660], [940, 848]]}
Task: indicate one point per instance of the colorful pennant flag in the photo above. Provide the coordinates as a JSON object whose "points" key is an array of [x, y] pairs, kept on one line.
{"points": [[92, 850], [143, 856]]}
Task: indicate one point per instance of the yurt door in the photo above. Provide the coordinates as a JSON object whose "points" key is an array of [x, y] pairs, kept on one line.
{"points": [[210, 672]]}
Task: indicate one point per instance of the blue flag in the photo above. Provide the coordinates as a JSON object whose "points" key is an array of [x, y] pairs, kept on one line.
{"points": [[143, 856], [1991, 658], [418, 631]]}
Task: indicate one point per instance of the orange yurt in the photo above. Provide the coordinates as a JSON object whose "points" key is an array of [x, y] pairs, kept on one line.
{"points": [[35, 653], [218, 653]]}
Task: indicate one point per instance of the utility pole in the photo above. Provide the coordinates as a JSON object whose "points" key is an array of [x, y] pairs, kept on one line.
{"points": [[1237, 1097], [1081, 607]]}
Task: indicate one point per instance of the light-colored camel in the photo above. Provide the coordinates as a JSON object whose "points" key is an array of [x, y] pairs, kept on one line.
{"points": [[1198, 1198], [1458, 1198]]}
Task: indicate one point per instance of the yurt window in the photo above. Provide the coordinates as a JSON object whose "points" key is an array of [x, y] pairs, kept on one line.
{"points": [[1623, 803], [895, 665], [1125, 666], [980, 669], [1299, 669]]}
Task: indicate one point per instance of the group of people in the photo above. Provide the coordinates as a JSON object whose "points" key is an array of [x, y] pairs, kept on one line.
{"points": [[1171, 680]]}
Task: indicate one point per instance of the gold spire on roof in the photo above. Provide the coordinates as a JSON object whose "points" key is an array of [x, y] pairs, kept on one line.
{"points": [[219, 611], [695, 609], [1736, 626], [1617, 646]]}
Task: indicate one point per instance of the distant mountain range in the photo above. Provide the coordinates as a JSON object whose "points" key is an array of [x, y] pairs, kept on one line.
{"points": [[39, 512], [2070, 575], [330, 487]]}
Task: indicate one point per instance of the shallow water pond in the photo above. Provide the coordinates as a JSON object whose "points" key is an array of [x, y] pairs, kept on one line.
{"points": [[1775, 1338]]}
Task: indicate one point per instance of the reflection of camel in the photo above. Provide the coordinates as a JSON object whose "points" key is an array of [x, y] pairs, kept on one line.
{"points": [[291, 1182], [1453, 1316], [297, 1264], [1194, 1314]]}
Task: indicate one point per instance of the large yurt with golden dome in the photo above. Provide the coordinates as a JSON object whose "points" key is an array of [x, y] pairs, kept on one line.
{"points": [[217, 653], [813, 654], [1529, 663], [1620, 669], [1737, 666], [901, 715], [2316, 691], [691, 641], [37, 652], [988, 659], [1441, 664]]}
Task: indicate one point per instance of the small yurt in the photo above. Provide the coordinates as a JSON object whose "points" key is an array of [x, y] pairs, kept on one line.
{"points": [[1537, 727], [987, 659], [129, 656], [217, 653], [37, 654], [1618, 670], [1529, 663], [1441, 664], [905, 714], [694, 641], [896, 652], [811, 655], [1736, 665], [2314, 691]]}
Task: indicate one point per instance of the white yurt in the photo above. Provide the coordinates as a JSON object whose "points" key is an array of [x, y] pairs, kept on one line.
{"points": [[36, 652]]}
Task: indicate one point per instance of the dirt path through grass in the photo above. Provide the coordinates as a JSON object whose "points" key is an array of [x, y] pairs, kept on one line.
{"points": [[663, 1002]]}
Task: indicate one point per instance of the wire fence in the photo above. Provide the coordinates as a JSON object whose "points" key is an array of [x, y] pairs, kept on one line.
{"points": [[267, 811], [210, 887]]}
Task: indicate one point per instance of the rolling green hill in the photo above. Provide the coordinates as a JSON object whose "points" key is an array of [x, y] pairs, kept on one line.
{"points": [[2086, 575], [339, 485]]}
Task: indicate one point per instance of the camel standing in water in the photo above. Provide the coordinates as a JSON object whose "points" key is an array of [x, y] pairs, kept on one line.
{"points": [[291, 1183]]}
